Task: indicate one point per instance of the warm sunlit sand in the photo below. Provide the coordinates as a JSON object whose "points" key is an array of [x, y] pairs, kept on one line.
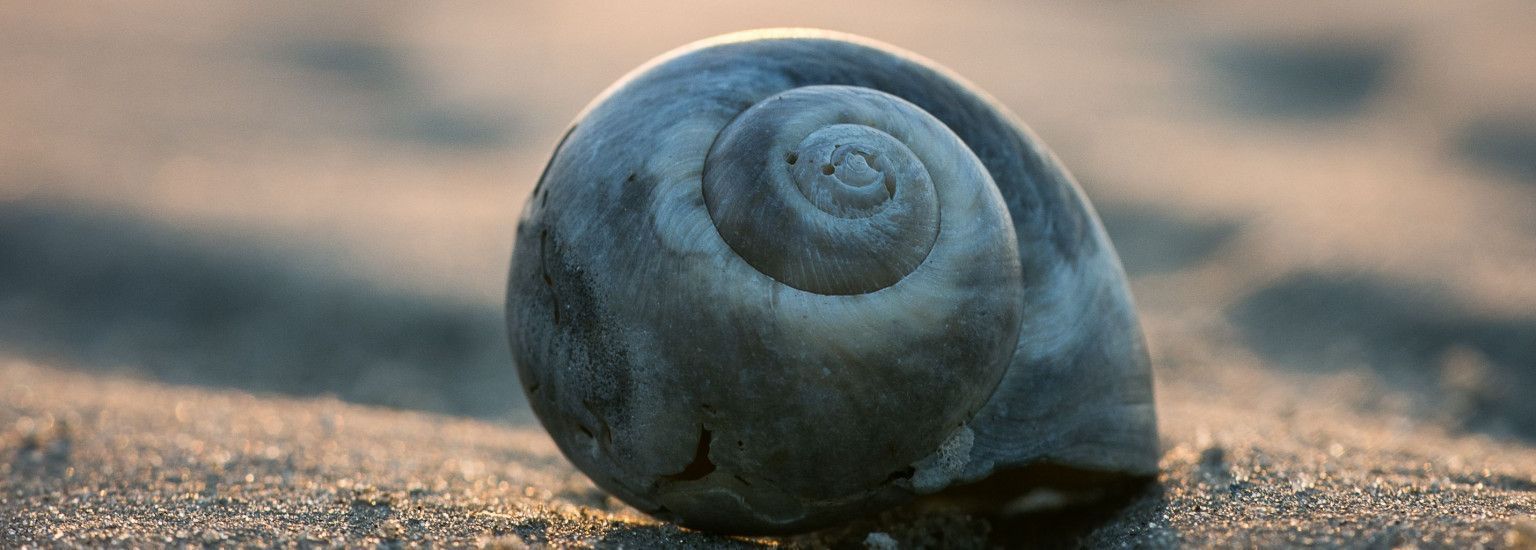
{"points": [[251, 262]]}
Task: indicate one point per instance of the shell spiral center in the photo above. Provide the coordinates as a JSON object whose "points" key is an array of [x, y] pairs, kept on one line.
{"points": [[820, 188], [848, 170]]}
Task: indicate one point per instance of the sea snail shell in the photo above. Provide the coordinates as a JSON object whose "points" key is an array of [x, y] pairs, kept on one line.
{"points": [[778, 279]]}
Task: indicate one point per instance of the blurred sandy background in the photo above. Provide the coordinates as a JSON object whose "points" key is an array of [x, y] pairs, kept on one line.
{"points": [[1321, 205]]}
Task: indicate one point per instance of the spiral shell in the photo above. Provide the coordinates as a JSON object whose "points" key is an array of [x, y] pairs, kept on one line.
{"points": [[777, 279]]}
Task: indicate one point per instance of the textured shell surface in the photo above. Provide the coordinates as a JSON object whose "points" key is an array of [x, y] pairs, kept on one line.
{"points": [[775, 280]]}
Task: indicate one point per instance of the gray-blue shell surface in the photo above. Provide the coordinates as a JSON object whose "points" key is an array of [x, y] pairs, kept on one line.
{"points": [[779, 279]]}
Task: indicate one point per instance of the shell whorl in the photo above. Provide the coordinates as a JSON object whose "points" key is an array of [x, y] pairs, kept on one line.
{"points": [[826, 188], [775, 280]]}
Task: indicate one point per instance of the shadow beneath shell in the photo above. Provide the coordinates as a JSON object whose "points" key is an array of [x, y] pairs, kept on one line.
{"points": [[1042, 506], [1063, 507]]}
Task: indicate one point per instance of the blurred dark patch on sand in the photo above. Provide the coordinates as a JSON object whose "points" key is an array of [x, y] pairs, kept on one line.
{"points": [[106, 291], [1506, 144], [362, 64], [1474, 368], [1304, 78], [295, 187], [411, 111], [1152, 240]]}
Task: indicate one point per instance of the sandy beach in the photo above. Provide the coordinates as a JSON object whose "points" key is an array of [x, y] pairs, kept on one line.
{"points": [[252, 261]]}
